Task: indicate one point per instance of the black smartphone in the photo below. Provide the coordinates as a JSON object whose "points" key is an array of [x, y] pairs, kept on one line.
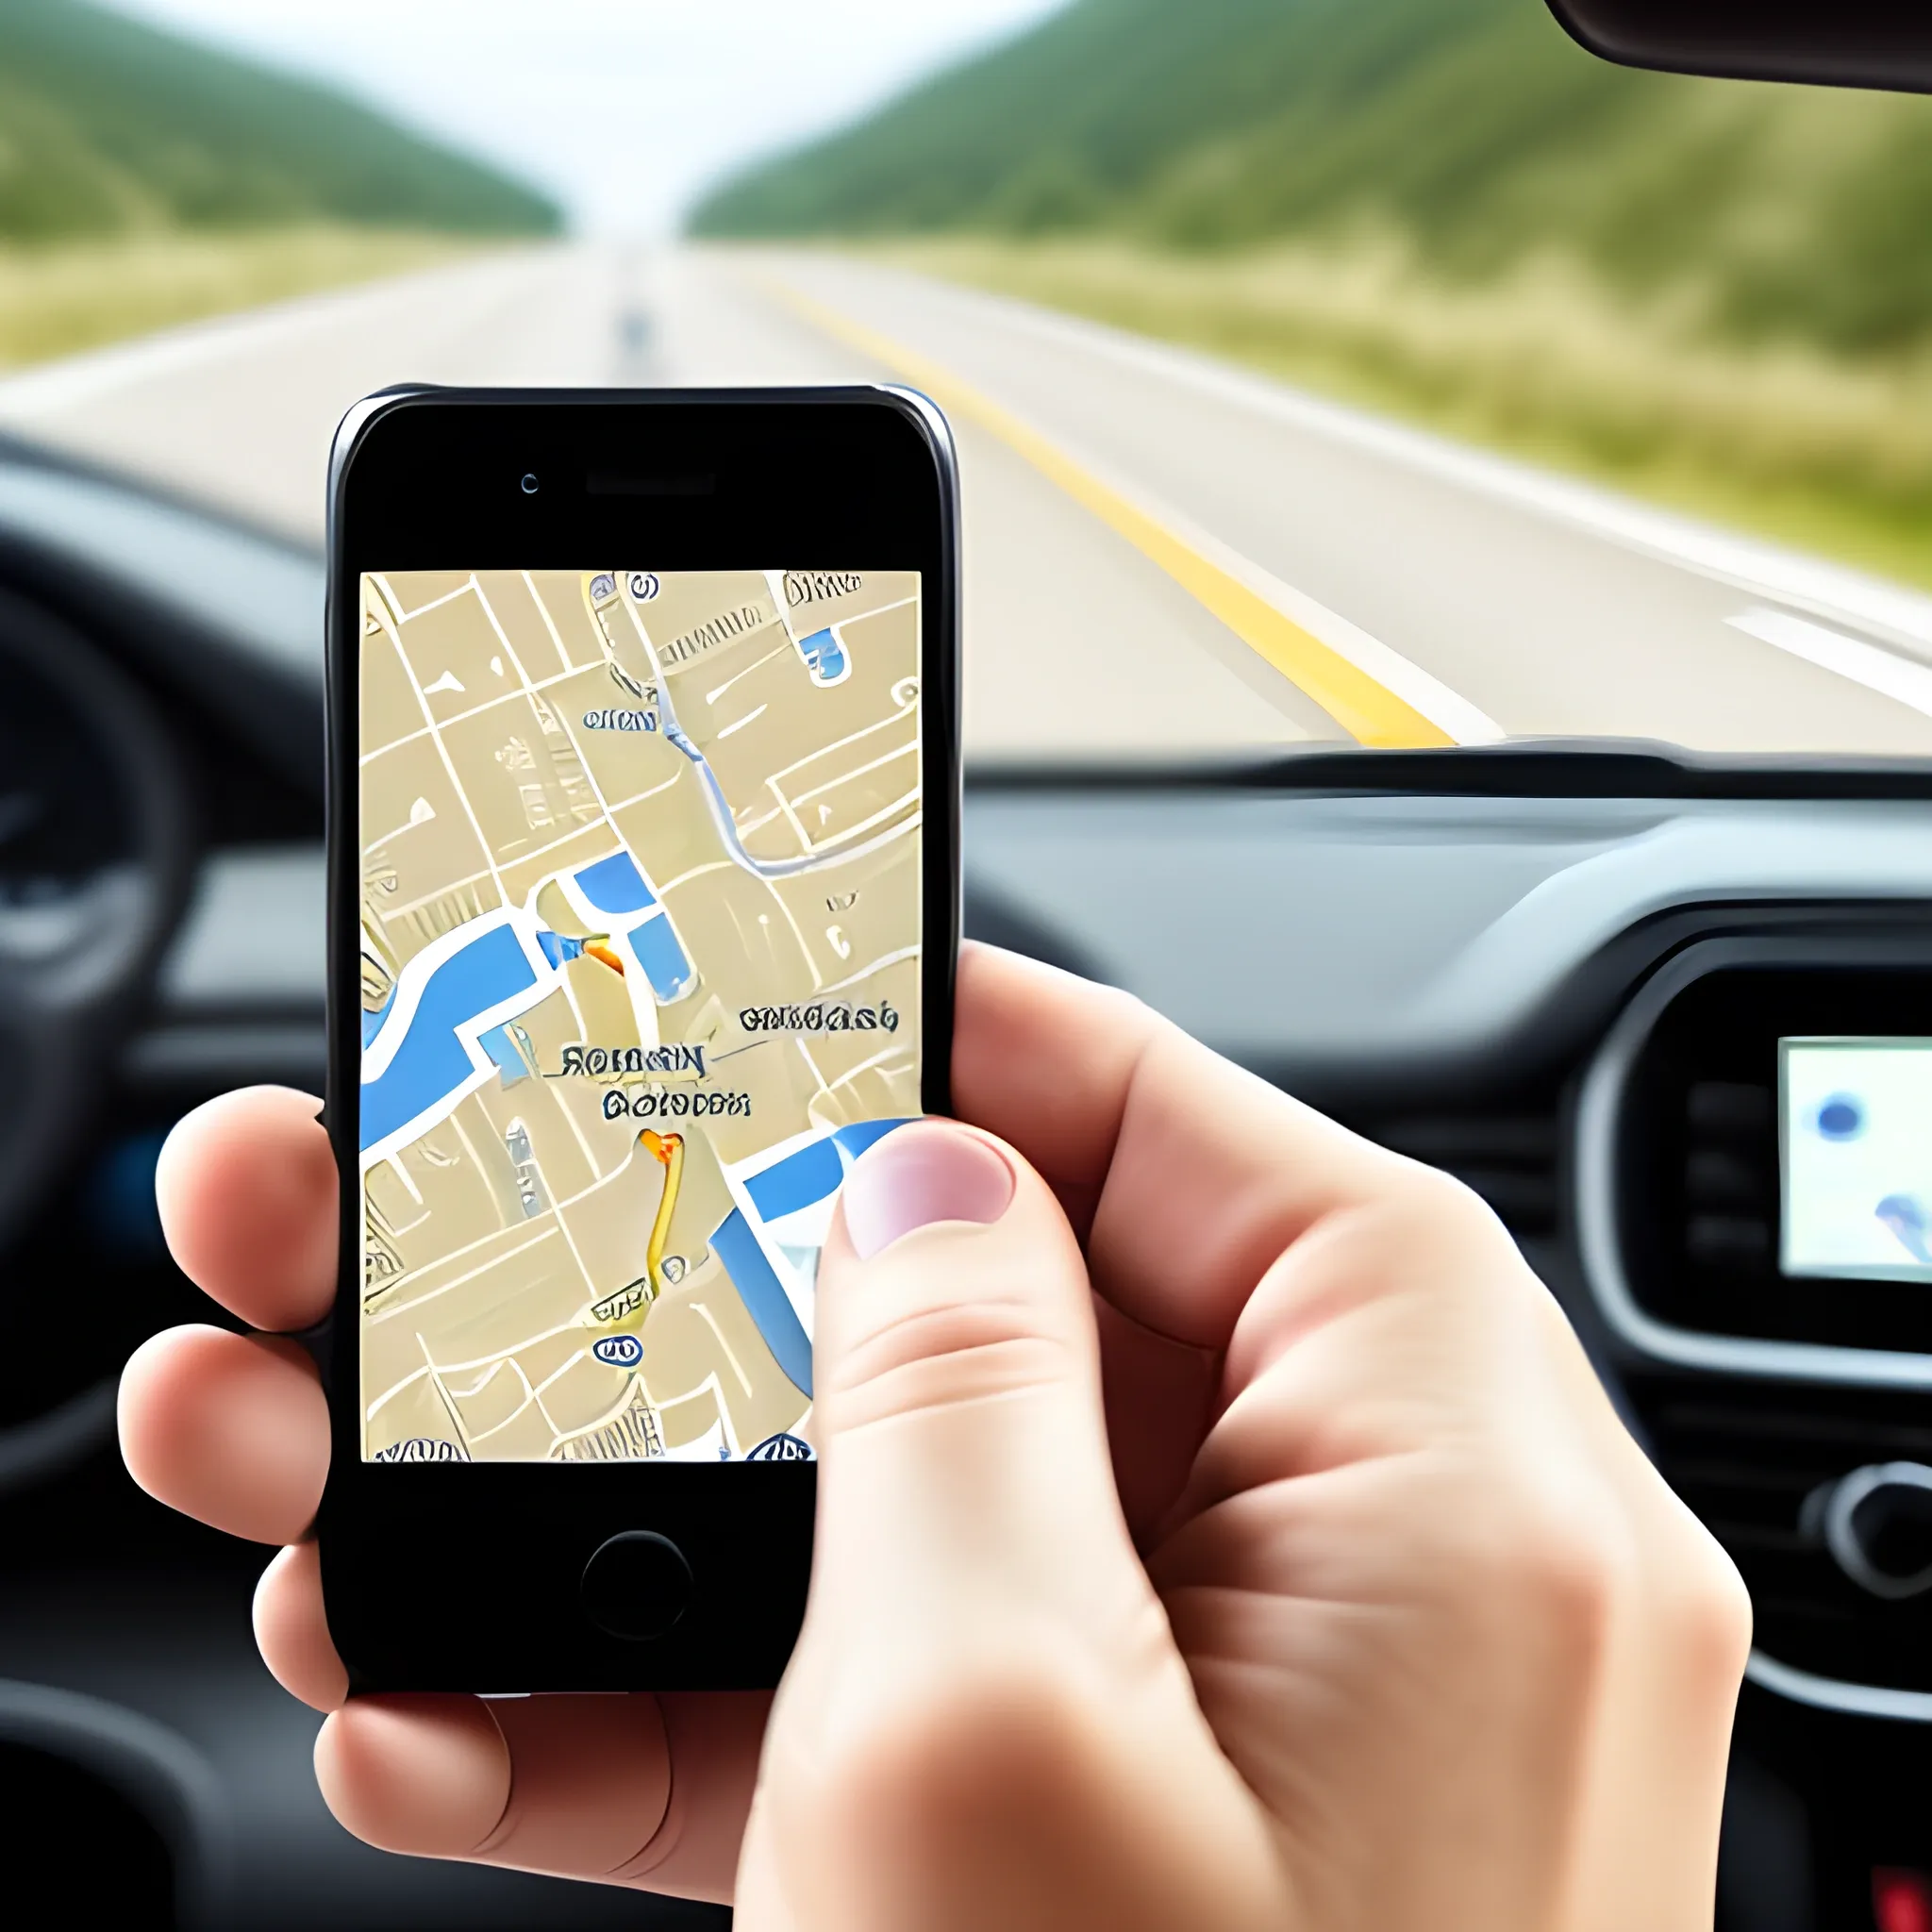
{"points": [[643, 914]]}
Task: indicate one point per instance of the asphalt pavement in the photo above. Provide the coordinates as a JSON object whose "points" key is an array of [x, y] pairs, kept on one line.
{"points": [[1164, 556]]}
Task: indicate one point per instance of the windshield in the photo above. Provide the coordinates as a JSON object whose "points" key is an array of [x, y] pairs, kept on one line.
{"points": [[1327, 373]]}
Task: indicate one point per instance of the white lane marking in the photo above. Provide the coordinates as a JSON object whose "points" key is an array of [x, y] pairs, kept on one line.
{"points": [[1877, 670], [1192, 556], [1747, 563], [1449, 711]]}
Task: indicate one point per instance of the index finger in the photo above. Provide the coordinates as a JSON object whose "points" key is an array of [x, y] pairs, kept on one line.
{"points": [[246, 1187], [1184, 1175]]}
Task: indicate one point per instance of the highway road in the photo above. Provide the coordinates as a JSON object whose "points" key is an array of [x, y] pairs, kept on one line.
{"points": [[1164, 556]]}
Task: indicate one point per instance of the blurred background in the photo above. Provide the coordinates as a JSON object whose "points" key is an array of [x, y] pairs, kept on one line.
{"points": [[1327, 373], [1714, 295]]}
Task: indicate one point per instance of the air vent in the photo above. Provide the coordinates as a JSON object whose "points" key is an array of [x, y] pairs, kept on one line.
{"points": [[1509, 1160], [1730, 1167], [1749, 1462]]}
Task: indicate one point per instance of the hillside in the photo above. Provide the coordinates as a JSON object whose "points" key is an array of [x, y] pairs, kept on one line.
{"points": [[1471, 133], [110, 128]]}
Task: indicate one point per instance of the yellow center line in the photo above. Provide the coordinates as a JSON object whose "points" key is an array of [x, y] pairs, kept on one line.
{"points": [[1366, 708]]}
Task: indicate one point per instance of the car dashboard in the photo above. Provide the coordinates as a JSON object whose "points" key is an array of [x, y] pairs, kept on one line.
{"points": [[1559, 973]]}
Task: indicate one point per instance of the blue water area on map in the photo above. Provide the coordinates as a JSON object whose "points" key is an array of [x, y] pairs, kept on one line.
{"points": [[663, 959], [430, 1062], [506, 1053], [855, 1140], [556, 949], [796, 1181], [616, 885], [372, 1022], [765, 1300], [812, 1171], [826, 655]]}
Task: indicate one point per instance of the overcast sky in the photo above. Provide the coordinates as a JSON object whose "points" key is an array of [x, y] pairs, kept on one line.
{"points": [[622, 109]]}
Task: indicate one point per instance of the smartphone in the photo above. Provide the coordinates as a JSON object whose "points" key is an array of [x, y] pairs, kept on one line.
{"points": [[643, 914]]}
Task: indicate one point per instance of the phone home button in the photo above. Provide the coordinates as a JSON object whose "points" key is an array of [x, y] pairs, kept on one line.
{"points": [[636, 1586]]}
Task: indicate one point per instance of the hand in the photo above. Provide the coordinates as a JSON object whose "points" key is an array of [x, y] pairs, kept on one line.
{"points": [[1373, 1616]]}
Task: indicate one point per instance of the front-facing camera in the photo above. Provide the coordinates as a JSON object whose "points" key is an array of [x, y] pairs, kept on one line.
{"points": [[529, 484]]}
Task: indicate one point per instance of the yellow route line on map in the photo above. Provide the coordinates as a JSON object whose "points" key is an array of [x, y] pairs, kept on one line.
{"points": [[668, 1148], [1366, 708]]}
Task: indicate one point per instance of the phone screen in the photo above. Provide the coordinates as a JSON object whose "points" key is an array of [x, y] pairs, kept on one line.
{"points": [[641, 936]]}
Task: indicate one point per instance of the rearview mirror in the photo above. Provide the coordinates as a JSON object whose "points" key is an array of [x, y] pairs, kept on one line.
{"points": [[1882, 44]]}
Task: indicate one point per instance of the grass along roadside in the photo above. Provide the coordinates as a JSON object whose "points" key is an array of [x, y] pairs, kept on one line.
{"points": [[1833, 456], [61, 298]]}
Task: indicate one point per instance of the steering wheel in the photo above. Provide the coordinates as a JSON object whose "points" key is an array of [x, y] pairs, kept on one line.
{"points": [[96, 854]]}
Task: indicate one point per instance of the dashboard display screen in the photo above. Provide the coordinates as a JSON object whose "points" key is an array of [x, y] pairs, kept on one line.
{"points": [[641, 933], [1856, 1124]]}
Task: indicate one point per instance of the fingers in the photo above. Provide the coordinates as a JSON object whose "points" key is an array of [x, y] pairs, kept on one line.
{"points": [[956, 1363], [708, 1741], [1184, 1176], [983, 1661], [228, 1429], [1043, 1059], [429, 1775], [1412, 1478], [628, 1789], [1148, 1379], [715, 1738], [640, 1791], [956, 1356], [591, 1780], [291, 1630], [246, 1186], [235, 1431]]}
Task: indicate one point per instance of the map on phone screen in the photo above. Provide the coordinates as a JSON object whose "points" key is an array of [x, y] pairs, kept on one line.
{"points": [[640, 919]]}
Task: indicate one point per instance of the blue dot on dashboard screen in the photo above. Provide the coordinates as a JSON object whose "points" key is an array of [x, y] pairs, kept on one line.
{"points": [[1841, 1117]]}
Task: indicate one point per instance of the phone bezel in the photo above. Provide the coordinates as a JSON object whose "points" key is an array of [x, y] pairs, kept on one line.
{"points": [[464, 1576]]}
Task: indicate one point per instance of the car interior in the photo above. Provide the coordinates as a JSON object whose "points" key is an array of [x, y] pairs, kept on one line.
{"points": [[1561, 971]]}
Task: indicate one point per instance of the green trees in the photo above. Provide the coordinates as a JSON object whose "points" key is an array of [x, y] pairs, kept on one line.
{"points": [[108, 127]]}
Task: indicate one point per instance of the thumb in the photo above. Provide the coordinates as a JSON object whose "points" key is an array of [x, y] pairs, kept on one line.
{"points": [[986, 1721], [964, 1483]]}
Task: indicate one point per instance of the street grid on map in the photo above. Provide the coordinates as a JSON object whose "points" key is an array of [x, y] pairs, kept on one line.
{"points": [[641, 910]]}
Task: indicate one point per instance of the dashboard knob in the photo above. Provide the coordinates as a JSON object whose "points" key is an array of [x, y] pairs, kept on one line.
{"points": [[1879, 1528]]}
